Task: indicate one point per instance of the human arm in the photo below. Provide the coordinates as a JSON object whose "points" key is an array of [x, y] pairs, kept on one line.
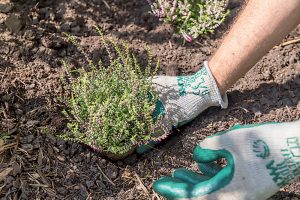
{"points": [[260, 26]]}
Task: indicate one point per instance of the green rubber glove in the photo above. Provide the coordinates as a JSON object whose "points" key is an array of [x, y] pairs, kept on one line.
{"points": [[260, 160], [182, 98]]}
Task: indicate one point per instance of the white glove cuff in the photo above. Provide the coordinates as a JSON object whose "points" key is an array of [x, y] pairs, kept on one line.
{"points": [[216, 97]]}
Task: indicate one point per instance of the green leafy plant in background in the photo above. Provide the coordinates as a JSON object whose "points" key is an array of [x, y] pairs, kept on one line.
{"points": [[109, 107], [191, 18]]}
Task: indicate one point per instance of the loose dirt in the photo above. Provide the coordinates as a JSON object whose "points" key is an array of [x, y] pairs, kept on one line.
{"points": [[32, 48]]}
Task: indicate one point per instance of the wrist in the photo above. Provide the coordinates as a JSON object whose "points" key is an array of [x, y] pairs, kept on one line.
{"points": [[217, 95], [218, 73]]}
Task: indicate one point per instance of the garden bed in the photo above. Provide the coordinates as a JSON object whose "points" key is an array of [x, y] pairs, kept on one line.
{"points": [[44, 167]]}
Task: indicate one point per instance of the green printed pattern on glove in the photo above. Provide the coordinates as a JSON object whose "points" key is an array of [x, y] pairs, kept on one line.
{"points": [[261, 149], [188, 184], [285, 171], [195, 84]]}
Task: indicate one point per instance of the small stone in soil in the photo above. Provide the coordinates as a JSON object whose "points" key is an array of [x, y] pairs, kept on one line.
{"points": [[29, 35], [65, 26], [6, 7], [112, 171], [61, 158], [14, 23], [27, 147], [4, 50], [28, 139], [83, 191], [89, 184], [103, 161], [16, 169], [61, 190]]}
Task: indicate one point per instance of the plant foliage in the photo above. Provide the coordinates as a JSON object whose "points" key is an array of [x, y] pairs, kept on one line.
{"points": [[191, 18], [109, 107]]}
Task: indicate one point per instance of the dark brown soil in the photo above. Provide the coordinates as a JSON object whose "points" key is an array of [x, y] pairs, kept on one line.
{"points": [[31, 54]]}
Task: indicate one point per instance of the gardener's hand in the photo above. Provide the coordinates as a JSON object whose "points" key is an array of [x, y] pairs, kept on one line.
{"points": [[182, 98], [260, 160]]}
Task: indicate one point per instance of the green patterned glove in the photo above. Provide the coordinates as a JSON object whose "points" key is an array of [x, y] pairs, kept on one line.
{"points": [[260, 160], [182, 98]]}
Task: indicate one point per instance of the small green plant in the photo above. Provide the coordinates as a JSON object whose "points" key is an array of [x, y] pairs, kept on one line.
{"points": [[191, 18], [5, 136], [109, 107]]}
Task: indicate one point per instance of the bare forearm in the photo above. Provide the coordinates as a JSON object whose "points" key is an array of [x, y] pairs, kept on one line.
{"points": [[260, 26]]}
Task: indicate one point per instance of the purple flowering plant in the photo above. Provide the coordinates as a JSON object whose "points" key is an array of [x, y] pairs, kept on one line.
{"points": [[191, 18]]}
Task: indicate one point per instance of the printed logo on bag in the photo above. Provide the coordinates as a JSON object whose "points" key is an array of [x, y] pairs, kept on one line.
{"points": [[261, 149], [194, 84]]}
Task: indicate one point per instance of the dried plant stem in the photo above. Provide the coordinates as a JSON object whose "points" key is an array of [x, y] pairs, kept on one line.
{"points": [[294, 41], [104, 175], [141, 183]]}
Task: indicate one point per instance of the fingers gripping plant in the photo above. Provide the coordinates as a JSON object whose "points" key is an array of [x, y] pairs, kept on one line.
{"points": [[109, 107], [191, 18]]}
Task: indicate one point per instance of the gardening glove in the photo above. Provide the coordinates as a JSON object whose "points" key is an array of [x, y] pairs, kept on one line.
{"points": [[182, 98], [260, 160]]}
